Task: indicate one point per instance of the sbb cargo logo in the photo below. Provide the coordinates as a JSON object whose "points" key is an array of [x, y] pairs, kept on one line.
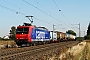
{"points": [[40, 35]]}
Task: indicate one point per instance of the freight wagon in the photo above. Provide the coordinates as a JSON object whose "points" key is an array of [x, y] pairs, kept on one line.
{"points": [[53, 36], [57, 36], [61, 36], [70, 37]]}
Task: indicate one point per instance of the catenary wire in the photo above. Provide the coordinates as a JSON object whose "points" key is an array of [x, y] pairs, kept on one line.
{"points": [[27, 11], [63, 14], [12, 9], [40, 10], [22, 13]]}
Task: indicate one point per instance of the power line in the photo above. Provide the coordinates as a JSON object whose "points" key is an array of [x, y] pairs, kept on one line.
{"points": [[15, 6], [25, 10], [60, 10], [8, 8], [36, 7], [44, 7], [56, 4], [45, 12], [62, 13], [12, 10], [68, 21], [42, 20], [22, 13], [40, 10], [49, 11], [11, 4]]}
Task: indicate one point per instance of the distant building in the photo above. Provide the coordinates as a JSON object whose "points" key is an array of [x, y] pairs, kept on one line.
{"points": [[6, 37]]}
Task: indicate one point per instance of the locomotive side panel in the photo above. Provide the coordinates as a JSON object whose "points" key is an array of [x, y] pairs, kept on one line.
{"points": [[40, 35]]}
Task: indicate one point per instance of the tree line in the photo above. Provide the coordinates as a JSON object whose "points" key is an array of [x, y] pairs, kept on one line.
{"points": [[88, 33]]}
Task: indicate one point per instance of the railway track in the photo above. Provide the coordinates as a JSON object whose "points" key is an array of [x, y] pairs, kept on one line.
{"points": [[17, 53]]}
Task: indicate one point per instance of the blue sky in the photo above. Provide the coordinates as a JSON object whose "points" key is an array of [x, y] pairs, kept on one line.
{"points": [[47, 13]]}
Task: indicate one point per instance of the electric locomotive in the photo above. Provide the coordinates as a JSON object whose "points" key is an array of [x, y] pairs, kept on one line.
{"points": [[29, 34]]}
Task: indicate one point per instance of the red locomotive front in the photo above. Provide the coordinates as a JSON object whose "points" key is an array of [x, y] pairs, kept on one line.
{"points": [[23, 34]]}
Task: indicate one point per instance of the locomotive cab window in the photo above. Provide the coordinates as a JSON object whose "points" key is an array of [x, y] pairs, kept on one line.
{"points": [[22, 30]]}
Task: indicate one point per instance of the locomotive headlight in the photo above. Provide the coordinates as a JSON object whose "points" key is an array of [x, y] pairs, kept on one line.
{"points": [[17, 38]]}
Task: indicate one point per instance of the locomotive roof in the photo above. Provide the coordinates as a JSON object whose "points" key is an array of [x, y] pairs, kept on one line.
{"points": [[24, 26]]}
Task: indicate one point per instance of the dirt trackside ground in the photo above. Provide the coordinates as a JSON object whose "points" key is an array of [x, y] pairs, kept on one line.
{"points": [[78, 52], [73, 52]]}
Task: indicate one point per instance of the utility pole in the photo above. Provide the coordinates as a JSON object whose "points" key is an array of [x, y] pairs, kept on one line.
{"points": [[53, 27], [79, 29], [53, 32], [84, 33]]}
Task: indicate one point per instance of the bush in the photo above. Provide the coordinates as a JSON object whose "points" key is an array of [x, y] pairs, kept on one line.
{"points": [[12, 37], [80, 38], [88, 37], [1, 38]]}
